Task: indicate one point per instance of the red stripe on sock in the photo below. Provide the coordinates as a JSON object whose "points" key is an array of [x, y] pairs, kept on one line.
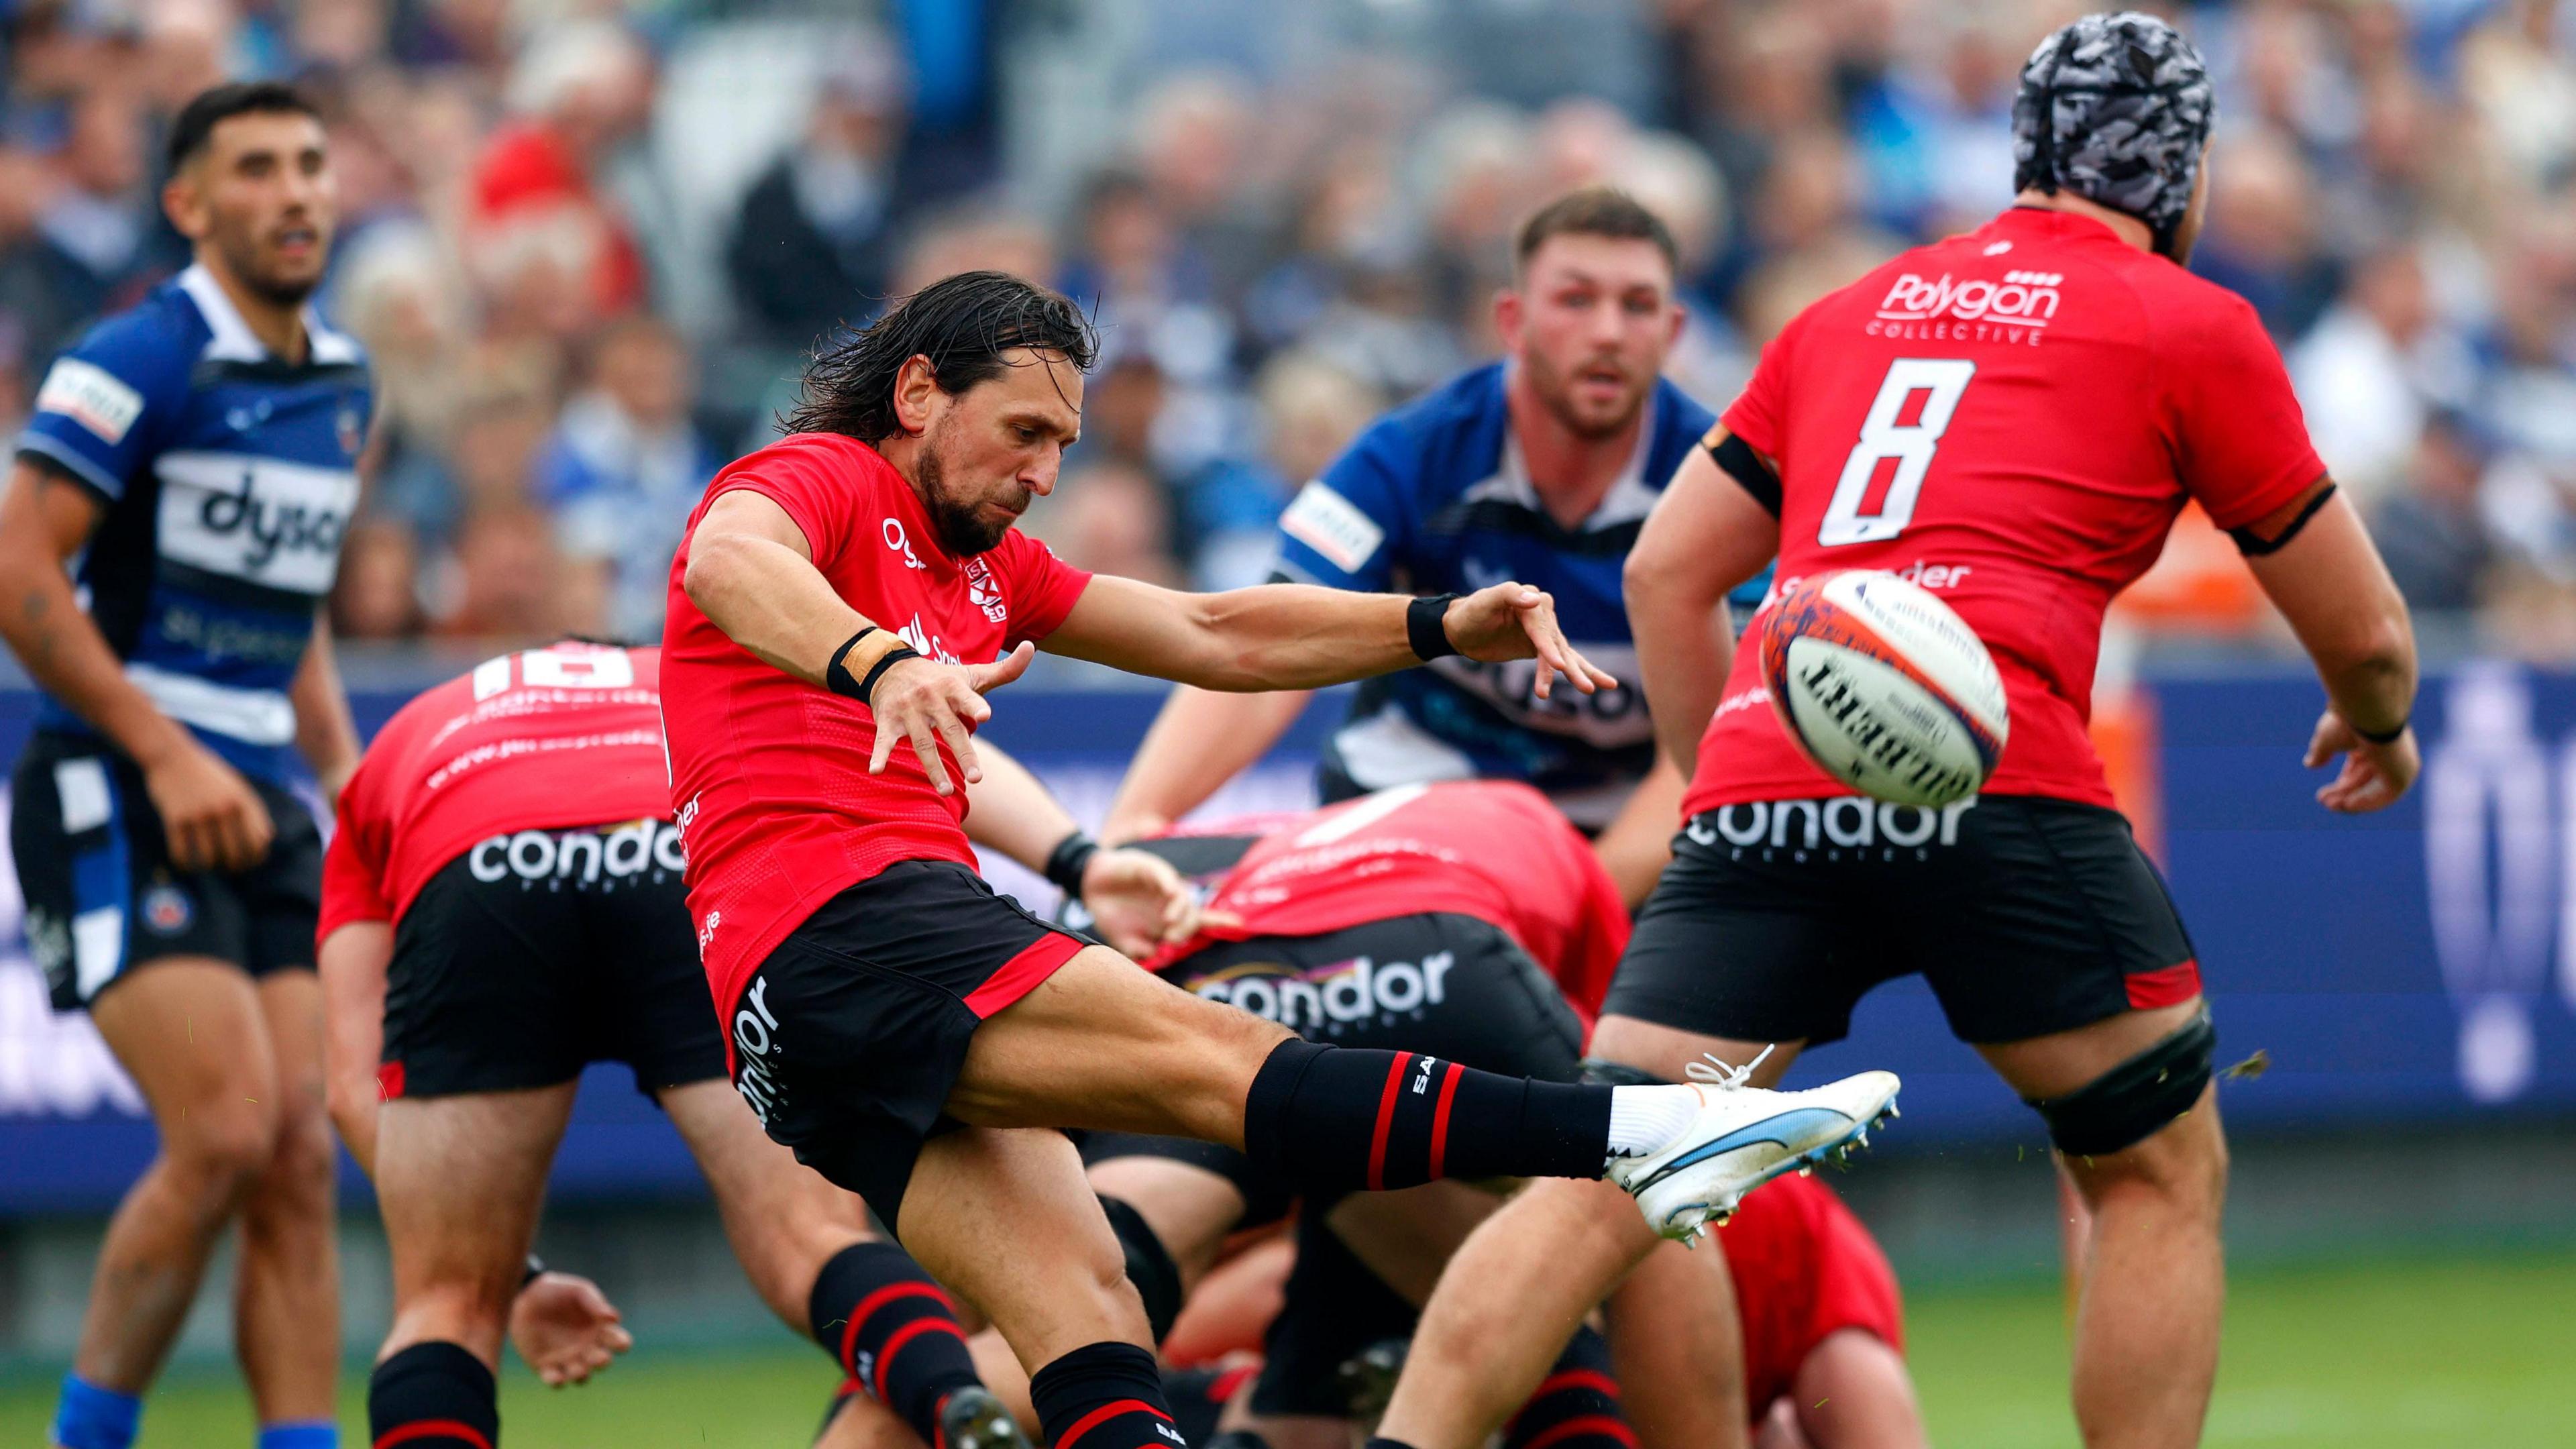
{"points": [[867, 1308], [1104, 1413], [1222, 1391], [907, 1334], [1385, 1122], [1558, 1383], [1606, 1425], [1440, 1120], [433, 1428]]}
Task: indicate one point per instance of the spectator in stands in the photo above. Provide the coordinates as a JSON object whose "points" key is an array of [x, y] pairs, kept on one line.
{"points": [[2430, 532], [504, 586], [813, 244], [95, 243], [2374, 369], [378, 592], [623, 469], [581, 88]]}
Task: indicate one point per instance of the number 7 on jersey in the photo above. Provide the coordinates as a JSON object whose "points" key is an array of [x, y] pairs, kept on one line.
{"points": [[1888, 433]]}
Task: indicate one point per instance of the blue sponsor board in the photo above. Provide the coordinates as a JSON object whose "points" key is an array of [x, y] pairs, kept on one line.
{"points": [[2415, 966]]}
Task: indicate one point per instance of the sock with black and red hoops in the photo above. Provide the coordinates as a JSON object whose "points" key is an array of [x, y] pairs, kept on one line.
{"points": [[1576, 1406], [1342, 1118], [1104, 1396], [433, 1395], [893, 1331]]}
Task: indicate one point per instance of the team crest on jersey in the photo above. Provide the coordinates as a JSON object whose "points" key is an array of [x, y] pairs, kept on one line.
{"points": [[981, 592], [352, 429], [167, 909]]}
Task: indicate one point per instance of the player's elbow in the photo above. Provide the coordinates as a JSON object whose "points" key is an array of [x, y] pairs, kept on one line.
{"points": [[2374, 650], [716, 561]]}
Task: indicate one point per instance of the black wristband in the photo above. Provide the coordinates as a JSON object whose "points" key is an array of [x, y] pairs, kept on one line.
{"points": [[1425, 626], [536, 1270], [876, 671], [1066, 863], [836, 675], [2387, 737]]}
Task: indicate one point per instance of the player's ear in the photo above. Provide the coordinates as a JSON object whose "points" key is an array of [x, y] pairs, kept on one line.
{"points": [[1507, 316], [1677, 319], [916, 390], [184, 202]]}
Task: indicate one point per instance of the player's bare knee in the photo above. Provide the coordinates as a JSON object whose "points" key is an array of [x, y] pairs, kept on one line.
{"points": [[220, 1150], [297, 1181]]}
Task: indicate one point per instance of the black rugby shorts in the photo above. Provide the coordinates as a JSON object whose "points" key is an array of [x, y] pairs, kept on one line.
{"points": [[849, 1036], [2026, 915], [532, 955]]}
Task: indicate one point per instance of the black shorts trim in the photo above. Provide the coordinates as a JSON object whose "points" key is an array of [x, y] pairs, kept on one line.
{"points": [[102, 897], [532, 955], [847, 1039], [2026, 915]]}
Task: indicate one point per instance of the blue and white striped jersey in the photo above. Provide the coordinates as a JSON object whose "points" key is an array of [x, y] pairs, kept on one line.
{"points": [[229, 476], [1434, 498]]}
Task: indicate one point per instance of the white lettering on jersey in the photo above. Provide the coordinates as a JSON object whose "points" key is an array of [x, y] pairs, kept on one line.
{"points": [[1331, 525], [256, 519], [896, 540], [91, 396], [2026, 299]]}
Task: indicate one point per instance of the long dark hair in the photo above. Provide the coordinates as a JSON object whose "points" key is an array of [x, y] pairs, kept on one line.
{"points": [[962, 324]]}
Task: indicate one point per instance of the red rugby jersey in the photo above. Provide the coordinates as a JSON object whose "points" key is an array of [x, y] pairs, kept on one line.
{"points": [[1804, 1267], [569, 735], [770, 774], [1492, 849], [2011, 418]]}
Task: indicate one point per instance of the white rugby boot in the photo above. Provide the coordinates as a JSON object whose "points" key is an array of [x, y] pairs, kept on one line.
{"points": [[1745, 1136]]}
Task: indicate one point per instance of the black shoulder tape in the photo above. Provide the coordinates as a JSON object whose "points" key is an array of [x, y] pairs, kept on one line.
{"points": [[2254, 545], [1745, 466]]}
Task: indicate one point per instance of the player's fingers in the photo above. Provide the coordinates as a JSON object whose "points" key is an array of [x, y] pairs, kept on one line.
{"points": [[619, 1340], [183, 845], [1219, 920], [925, 746], [884, 751], [961, 745], [987, 677]]}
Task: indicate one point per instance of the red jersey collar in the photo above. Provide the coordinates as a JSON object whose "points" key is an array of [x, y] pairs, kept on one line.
{"points": [[2024, 222]]}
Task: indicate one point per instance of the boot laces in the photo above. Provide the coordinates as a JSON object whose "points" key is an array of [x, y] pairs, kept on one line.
{"points": [[1722, 1076]]}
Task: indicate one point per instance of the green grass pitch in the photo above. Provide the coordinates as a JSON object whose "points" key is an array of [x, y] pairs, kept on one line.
{"points": [[2390, 1354]]}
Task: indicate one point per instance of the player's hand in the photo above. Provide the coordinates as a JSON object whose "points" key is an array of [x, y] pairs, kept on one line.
{"points": [[566, 1328], [214, 820], [1515, 621], [927, 702], [1138, 901], [2373, 775]]}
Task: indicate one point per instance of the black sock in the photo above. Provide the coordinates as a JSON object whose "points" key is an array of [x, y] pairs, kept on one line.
{"points": [[893, 1330], [1339, 1118], [1576, 1405], [1103, 1396], [433, 1395], [1383, 1442]]}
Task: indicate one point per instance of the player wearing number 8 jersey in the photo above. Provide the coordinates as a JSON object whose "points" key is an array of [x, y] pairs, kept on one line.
{"points": [[2012, 418]]}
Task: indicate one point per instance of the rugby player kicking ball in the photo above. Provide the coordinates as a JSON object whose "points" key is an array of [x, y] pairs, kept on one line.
{"points": [[842, 602]]}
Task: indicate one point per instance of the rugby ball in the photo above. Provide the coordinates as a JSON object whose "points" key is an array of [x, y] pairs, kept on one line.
{"points": [[1884, 687]]}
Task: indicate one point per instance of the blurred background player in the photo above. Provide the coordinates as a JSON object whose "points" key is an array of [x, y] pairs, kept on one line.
{"points": [[2015, 416], [1541, 466], [195, 459], [882, 995], [502, 906]]}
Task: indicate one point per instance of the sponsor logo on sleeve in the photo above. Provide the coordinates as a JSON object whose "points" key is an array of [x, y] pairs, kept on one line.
{"points": [[91, 396], [1332, 526]]}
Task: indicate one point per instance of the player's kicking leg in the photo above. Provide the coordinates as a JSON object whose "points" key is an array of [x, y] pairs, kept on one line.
{"points": [[2153, 1275], [805, 1246], [192, 1032]]}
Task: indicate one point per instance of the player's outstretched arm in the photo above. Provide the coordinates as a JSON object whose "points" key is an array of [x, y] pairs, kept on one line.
{"points": [[2327, 579], [1200, 740], [1707, 535], [352, 962], [213, 818], [751, 572], [1299, 636], [1137, 901]]}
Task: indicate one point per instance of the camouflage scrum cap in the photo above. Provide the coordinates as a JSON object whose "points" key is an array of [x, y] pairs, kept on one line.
{"points": [[2116, 109]]}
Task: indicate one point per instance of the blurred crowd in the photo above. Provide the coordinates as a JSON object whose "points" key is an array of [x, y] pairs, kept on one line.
{"points": [[587, 242]]}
